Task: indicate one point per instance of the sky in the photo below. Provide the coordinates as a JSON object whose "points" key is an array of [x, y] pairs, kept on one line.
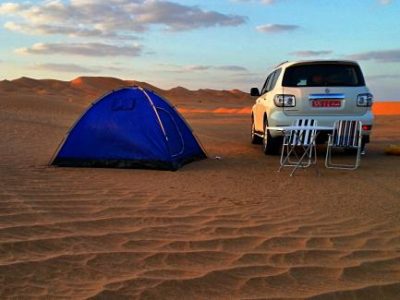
{"points": [[219, 44]]}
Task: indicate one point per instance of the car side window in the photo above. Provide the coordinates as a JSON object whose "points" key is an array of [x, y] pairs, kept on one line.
{"points": [[274, 79], [271, 81], [266, 84]]}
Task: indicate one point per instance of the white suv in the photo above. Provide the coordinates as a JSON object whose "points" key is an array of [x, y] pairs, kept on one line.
{"points": [[322, 90]]}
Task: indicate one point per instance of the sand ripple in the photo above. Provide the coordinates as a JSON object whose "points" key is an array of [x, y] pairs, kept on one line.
{"points": [[123, 242]]}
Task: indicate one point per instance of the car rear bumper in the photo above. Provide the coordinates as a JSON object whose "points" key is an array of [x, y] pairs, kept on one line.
{"points": [[279, 118]]}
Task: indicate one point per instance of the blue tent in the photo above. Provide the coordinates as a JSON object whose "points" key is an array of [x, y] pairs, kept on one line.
{"points": [[130, 128]]}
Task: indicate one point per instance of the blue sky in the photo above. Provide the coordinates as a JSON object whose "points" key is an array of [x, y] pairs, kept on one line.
{"points": [[221, 44]]}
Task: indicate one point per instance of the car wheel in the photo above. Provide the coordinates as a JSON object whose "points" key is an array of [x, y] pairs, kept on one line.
{"points": [[364, 141], [353, 151], [271, 146], [255, 139]]}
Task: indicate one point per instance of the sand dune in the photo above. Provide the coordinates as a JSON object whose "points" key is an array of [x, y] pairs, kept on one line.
{"points": [[232, 228], [386, 108], [84, 90]]}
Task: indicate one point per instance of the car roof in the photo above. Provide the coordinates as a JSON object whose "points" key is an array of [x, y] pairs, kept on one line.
{"points": [[286, 64]]}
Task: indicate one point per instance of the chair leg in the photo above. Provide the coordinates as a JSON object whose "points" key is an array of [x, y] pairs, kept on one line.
{"points": [[284, 161], [282, 153], [288, 151], [331, 165], [315, 161], [308, 151], [284, 149], [302, 159], [328, 153], [315, 154]]}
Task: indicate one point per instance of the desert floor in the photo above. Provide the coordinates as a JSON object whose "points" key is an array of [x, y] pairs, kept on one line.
{"points": [[229, 228]]}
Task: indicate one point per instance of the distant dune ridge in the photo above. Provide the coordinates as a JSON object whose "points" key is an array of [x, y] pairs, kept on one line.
{"points": [[386, 108], [83, 90]]}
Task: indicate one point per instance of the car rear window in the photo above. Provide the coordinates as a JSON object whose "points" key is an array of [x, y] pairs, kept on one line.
{"points": [[323, 75]]}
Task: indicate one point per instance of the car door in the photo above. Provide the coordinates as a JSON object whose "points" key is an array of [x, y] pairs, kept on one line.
{"points": [[266, 98], [260, 104]]}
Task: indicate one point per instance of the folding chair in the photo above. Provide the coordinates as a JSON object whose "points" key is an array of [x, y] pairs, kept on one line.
{"points": [[303, 139], [347, 134]]}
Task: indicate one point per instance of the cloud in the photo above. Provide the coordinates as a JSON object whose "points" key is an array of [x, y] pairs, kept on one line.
{"points": [[197, 68], [72, 31], [67, 68], [383, 56], [276, 28], [231, 68], [385, 2], [178, 17], [73, 68], [110, 18], [311, 53], [10, 8], [83, 49], [201, 68]]}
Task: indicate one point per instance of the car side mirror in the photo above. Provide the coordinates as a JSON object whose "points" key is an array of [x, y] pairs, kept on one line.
{"points": [[254, 92]]}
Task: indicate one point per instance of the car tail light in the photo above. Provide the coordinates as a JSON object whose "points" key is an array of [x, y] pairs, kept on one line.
{"points": [[366, 127], [365, 100], [285, 100]]}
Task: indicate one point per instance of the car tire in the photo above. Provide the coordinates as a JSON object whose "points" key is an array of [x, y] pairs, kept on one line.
{"points": [[353, 151], [271, 146], [364, 141], [255, 139]]}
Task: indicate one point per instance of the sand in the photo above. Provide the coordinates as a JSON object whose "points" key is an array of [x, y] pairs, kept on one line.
{"points": [[229, 228]]}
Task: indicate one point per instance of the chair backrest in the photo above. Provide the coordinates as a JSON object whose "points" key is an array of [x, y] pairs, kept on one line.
{"points": [[303, 136], [347, 133]]}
